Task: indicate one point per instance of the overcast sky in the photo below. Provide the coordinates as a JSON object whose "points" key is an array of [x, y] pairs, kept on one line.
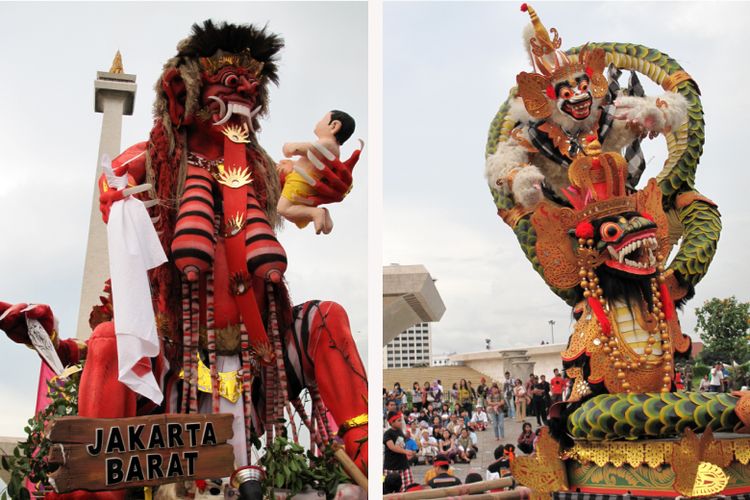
{"points": [[449, 66], [49, 136]]}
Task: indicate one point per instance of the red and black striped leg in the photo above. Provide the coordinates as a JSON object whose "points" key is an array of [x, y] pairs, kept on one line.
{"points": [[194, 242], [265, 256]]}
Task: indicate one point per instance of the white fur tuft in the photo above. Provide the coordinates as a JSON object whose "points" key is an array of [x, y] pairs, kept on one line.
{"points": [[498, 166], [527, 186], [650, 116], [676, 110]]}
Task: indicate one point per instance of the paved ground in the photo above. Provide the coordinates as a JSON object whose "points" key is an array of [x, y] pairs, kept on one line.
{"points": [[487, 445]]}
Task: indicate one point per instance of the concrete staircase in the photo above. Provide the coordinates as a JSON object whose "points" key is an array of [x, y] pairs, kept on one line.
{"points": [[447, 375]]}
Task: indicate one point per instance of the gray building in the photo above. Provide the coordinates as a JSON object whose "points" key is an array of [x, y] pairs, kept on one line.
{"points": [[410, 297], [412, 347]]}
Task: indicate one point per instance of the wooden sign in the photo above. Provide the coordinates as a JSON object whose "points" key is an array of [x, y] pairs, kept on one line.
{"points": [[99, 454]]}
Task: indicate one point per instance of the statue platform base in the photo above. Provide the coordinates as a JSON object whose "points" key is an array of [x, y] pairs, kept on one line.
{"points": [[690, 466]]}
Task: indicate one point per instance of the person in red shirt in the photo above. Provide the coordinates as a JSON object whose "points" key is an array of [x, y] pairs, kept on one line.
{"points": [[678, 381], [558, 386]]}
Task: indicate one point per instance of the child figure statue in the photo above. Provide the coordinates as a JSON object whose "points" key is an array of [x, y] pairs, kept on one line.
{"points": [[301, 174]]}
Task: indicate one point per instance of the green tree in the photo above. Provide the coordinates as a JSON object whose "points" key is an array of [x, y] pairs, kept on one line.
{"points": [[723, 325]]}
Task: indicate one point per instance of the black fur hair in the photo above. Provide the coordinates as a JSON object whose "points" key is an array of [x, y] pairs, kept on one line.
{"points": [[206, 39], [629, 288]]}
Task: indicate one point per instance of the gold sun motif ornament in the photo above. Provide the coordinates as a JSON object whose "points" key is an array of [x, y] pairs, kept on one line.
{"points": [[264, 353], [234, 177], [710, 480], [234, 225], [698, 464], [239, 283], [237, 134]]}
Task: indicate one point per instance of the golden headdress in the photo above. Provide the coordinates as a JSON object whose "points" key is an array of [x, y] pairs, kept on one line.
{"points": [[242, 59]]}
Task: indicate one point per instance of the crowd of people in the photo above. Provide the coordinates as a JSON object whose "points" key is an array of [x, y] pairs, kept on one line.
{"points": [[436, 426], [716, 380]]}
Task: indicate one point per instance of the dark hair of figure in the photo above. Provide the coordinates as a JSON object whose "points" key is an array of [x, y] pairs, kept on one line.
{"points": [[473, 477], [347, 125]]}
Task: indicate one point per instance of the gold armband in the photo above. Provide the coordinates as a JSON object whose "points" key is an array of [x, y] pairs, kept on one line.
{"points": [[358, 421], [684, 199], [673, 80]]}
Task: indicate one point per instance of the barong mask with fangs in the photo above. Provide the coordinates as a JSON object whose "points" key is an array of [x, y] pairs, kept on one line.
{"points": [[557, 84], [605, 225]]}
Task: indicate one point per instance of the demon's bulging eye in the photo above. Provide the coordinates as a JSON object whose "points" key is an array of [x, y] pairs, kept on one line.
{"points": [[565, 93], [229, 80], [610, 231], [583, 86]]}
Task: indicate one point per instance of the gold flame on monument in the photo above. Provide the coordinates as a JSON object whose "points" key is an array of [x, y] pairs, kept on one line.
{"points": [[117, 64]]}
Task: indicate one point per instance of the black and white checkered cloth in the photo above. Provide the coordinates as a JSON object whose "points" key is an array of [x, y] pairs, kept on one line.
{"points": [[633, 152]]}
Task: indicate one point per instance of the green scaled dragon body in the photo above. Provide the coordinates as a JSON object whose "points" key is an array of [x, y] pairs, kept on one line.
{"points": [[666, 414]]}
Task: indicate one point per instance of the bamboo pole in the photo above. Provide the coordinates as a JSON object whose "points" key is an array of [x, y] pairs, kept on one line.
{"points": [[519, 493], [350, 467], [457, 491]]}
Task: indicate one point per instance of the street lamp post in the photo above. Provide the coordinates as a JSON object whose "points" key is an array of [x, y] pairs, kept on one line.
{"points": [[552, 329]]}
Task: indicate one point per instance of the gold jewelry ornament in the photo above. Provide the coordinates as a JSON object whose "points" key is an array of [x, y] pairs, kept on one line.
{"points": [[237, 134], [358, 421], [234, 177], [673, 80], [264, 353], [531, 88], [234, 225], [240, 283], [698, 464]]}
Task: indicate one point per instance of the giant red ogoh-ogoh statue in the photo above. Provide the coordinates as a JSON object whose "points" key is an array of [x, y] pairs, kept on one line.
{"points": [[220, 301]]}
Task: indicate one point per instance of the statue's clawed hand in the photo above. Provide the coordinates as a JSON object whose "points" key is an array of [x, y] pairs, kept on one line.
{"points": [[13, 319], [335, 180]]}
